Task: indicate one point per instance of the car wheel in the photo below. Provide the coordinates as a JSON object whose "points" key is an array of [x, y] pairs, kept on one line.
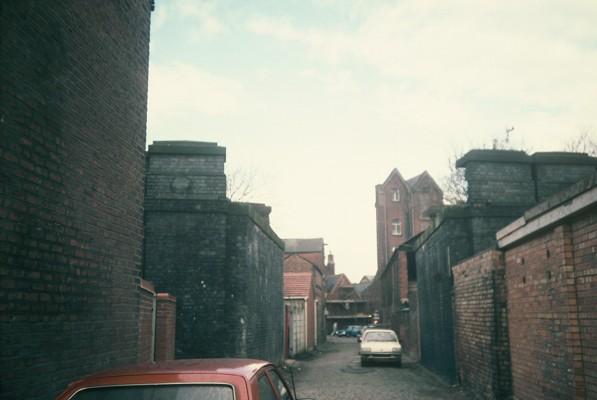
{"points": [[399, 363]]}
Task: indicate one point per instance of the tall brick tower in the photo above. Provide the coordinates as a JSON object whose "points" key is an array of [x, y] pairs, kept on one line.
{"points": [[73, 111], [400, 210]]}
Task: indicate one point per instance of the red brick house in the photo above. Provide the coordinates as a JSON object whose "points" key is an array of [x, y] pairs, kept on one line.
{"points": [[307, 255], [400, 210], [300, 309]]}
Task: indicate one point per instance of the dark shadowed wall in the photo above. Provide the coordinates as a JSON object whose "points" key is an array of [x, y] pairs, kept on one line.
{"points": [[73, 95]]}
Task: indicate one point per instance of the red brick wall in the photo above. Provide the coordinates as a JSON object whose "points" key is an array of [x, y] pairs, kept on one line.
{"points": [[543, 324], [481, 326], [146, 328], [165, 327], [584, 242], [73, 96]]}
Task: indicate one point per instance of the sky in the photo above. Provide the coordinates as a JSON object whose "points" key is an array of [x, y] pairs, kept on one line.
{"points": [[317, 101]]}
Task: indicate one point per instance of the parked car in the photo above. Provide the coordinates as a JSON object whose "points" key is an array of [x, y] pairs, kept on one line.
{"points": [[353, 330], [340, 332], [380, 345], [214, 379]]}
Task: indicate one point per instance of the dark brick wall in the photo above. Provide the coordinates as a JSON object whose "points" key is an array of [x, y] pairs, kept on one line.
{"points": [[185, 254], [554, 178], [481, 326], [513, 178], [255, 261], [500, 183], [220, 259], [446, 246], [165, 327], [73, 93]]}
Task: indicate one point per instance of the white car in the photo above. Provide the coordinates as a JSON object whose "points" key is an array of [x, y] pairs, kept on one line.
{"points": [[380, 345]]}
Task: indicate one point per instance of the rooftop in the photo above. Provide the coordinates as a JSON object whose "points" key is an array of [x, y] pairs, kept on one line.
{"points": [[313, 245], [297, 284]]}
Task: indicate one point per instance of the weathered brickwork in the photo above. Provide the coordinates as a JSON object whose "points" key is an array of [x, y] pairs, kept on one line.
{"points": [[584, 245], [542, 316], [442, 249], [557, 171], [502, 185], [481, 326], [513, 178], [73, 94], [146, 328], [220, 259], [165, 327]]}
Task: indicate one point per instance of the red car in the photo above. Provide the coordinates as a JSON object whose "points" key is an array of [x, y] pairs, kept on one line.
{"points": [[203, 379]]}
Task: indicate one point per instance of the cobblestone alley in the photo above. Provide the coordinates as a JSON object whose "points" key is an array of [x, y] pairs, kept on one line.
{"points": [[335, 373]]}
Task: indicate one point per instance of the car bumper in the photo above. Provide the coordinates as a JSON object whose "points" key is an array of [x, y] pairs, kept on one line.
{"points": [[381, 356]]}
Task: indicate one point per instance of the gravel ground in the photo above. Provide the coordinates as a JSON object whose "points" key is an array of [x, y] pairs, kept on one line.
{"points": [[335, 373]]}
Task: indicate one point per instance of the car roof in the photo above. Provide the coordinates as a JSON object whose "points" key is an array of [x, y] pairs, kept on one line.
{"points": [[246, 368], [380, 330]]}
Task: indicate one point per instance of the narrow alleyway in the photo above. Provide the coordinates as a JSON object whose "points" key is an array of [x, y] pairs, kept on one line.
{"points": [[335, 373]]}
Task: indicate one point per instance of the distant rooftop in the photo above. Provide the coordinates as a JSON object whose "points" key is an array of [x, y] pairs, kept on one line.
{"points": [[297, 284], [303, 245]]}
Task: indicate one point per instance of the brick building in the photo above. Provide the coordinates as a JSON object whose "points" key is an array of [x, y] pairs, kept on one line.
{"points": [[300, 307], [221, 259], [400, 207], [293, 264], [307, 255], [502, 185], [344, 304], [73, 98], [551, 288]]}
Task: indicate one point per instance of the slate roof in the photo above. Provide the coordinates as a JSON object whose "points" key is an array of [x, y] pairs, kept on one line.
{"points": [[414, 180], [360, 287], [297, 284], [303, 245], [330, 282]]}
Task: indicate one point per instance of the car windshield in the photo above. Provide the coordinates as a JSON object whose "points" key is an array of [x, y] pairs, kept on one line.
{"points": [[158, 392], [380, 337]]}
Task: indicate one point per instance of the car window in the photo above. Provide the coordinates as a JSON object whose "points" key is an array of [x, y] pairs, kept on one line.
{"points": [[266, 392], [380, 337], [158, 392], [280, 386]]}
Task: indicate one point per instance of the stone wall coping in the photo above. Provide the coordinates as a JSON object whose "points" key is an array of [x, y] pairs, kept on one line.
{"points": [[562, 158], [182, 147], [147, 286], [491, 253], [518, 156], [500, 156], [166, 297], [556, 208], [254, 212]]}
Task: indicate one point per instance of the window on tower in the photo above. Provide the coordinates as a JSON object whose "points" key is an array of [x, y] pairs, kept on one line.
{"points": [[396, 194], [396, 227]]}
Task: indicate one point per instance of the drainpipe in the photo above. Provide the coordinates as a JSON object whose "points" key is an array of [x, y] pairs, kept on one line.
{"points": [[153, 326]]}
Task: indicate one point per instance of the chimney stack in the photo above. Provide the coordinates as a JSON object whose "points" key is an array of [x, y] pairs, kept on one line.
{"points": [[330, 268]]}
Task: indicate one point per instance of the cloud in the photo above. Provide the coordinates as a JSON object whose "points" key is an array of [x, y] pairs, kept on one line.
{"points": [[203, 13], [523, 55], [328, 44], [184, 88]]}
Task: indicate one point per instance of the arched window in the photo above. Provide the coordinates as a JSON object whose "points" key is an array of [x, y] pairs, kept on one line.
{"points": [[396, 194], [396, 227]]}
